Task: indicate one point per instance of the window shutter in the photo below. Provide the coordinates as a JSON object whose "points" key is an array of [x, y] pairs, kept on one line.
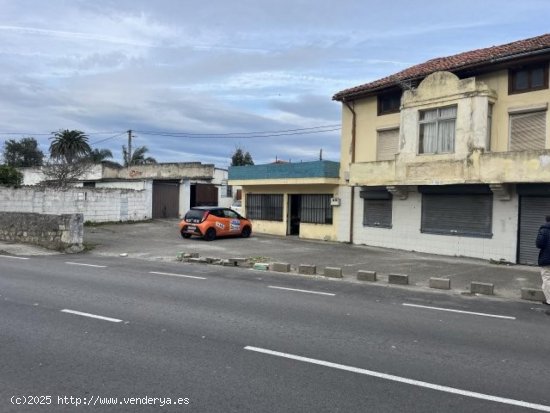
{"points": [[387, 145], [528, 131], [466, 215], [377, 213]]}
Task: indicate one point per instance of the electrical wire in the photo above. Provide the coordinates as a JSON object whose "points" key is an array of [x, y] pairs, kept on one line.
{"points": [[189, 134]]}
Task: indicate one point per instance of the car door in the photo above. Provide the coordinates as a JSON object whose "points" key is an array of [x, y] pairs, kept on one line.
{"points": [[234, 221], [221, 223]]}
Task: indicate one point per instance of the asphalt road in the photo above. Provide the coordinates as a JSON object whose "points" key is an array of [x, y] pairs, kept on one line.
{"points": [[235, 340]]}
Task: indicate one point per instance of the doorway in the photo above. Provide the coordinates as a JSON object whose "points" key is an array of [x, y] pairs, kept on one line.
{"points": [[294, 209]]}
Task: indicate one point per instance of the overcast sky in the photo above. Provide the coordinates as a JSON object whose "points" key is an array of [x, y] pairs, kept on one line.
{"points": [[223, 67]]}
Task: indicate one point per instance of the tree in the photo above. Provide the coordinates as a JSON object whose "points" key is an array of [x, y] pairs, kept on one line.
{"points": [[99, 155], [239, 158], [69, 158], [10, 176], [22, 153], [69, 145], [138, 156]]}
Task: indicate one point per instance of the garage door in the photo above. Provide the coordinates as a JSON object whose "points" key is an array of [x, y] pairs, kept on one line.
{"points": [[165, 199], [532, 211]]}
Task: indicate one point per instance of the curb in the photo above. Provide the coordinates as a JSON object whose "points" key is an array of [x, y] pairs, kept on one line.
{"points": [[439, 283]]}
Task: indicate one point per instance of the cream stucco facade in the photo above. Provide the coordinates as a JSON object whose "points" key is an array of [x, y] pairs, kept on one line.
{"points": [[513, 185]]}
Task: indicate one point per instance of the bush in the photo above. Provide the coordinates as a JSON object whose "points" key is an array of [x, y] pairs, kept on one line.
{"points": [[10, 176]]}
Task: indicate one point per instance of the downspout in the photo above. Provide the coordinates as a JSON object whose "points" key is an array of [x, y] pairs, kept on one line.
{"points": [[352, 158]]}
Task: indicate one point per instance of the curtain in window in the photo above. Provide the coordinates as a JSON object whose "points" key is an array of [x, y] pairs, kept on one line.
{"points": [[437, 130]]}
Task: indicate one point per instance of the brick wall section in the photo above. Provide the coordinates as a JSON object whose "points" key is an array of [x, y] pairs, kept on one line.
{"points": [[59, 232], [97, 205]]}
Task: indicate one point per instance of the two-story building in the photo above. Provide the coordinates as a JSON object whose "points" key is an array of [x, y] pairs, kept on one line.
{"points": [[451, 156]]}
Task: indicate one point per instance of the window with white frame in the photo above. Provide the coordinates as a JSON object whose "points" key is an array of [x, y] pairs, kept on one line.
{"points": [[528, 130], [437, 130]]}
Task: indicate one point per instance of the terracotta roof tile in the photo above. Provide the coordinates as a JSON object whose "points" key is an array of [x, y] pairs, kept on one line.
{"points": [[472, 58]]}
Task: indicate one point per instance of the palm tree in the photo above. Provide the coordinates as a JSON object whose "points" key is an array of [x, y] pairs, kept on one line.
{"points": [[137, 157], [69, 145], [100, 155]]}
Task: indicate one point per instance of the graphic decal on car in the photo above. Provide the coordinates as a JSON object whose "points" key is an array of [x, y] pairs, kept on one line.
{"points": [[235, 225], [220, 225]]}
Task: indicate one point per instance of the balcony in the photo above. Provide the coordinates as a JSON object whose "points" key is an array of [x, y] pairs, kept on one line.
{"points": [[478, 167]]}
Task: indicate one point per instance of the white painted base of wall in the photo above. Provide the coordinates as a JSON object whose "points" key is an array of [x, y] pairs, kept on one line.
{"points": [[405, 232]]}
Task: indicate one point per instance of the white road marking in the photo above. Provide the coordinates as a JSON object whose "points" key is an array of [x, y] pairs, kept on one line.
{"points": [[177, 275], [399, 379], [300, 291], [14, 257], [99, 317], [460, 311], [86, 265]]}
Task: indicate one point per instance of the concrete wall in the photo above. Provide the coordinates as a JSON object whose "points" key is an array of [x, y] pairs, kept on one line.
{"points": [[97, 205], [59, 232], [405, 232]]}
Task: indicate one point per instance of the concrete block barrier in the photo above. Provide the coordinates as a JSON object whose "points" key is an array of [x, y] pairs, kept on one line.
{"points": [[279, 266], [402, 279], [333, 272], [532, 294], [440, 283], [261, 266], [363, 275], [307, 269], [482, 288]]}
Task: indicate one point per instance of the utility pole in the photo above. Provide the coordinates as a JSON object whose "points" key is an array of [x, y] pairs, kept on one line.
{"points": [[129, 146]]}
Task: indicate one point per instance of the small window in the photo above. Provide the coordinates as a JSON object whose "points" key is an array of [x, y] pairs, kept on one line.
{"points": [[437, 130], [528, 131], [316, 209], [387, 144], [528, 79], [389, 103], [377, 208]]}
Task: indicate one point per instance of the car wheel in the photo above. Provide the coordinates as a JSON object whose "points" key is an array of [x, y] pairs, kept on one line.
{"points": [[210, 234], [245, 233]]}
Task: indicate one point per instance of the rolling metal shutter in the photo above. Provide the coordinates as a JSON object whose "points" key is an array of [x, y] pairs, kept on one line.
{"points": [[377, 207], [387, 144], [528, 131], [532, 211], [457, 214]]}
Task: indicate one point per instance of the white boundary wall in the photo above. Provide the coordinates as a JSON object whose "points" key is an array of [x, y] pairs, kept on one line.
{"points": [[96, 204]]}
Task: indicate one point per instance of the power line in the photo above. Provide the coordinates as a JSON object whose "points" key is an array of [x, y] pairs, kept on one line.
{"points": [[240, 136], [106, 139], [191, 134]]}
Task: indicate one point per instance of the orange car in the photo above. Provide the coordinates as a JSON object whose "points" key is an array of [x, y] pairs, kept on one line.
{"points": [[212, 222]]}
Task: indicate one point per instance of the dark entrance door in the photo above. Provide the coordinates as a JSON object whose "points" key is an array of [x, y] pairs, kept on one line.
{"points": [[204, 195], [295, 208], [166, 199]]}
